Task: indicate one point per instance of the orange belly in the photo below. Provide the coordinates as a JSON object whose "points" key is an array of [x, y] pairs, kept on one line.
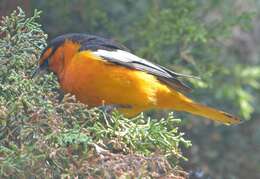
{"points": [[96, 82]]}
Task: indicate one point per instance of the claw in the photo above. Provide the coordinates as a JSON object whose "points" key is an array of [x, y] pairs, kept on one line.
{"points": [[108, 108]]}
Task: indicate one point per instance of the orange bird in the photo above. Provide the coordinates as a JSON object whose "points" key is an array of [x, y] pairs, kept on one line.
{"points": [[99, 71]]}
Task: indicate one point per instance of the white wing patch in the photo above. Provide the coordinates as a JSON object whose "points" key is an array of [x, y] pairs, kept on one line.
{"points": [[126, 57], [130, 60], [119, 55]]}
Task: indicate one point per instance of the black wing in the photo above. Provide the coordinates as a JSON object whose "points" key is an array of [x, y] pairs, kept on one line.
{"points": [[129, 60]]}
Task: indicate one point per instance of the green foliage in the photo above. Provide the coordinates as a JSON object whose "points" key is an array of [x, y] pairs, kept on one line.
{"points": [[223, 54], [183, 37], [194, 37], [74, 14], [43, 136], [142, 136]]}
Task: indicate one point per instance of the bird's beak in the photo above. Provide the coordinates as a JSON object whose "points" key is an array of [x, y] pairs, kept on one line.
{"points": [[40, 70]]}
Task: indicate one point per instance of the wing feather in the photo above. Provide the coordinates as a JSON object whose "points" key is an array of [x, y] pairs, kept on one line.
{"points": [[116, 53], [130, 60]]}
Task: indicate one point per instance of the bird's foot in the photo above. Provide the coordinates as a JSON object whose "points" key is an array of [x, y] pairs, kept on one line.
{"points": [[60, 96], [109, 108]]}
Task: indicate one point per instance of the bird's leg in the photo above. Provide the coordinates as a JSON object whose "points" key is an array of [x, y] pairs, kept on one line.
{"points": [[109, 108], [61, 95]]}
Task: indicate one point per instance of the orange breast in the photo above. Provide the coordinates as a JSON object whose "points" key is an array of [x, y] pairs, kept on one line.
{"points": [[95, 82]]}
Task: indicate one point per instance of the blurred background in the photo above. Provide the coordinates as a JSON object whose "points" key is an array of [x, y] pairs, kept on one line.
{"points": [[216, 40]]}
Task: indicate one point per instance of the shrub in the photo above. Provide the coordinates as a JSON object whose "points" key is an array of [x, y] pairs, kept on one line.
{"points": [[42, 134]]}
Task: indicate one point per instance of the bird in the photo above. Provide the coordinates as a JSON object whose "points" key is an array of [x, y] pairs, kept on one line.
{"points": [[101, 71]]}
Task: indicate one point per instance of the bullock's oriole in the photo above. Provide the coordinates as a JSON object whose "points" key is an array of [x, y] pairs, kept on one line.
{"points": [[99, 71]]}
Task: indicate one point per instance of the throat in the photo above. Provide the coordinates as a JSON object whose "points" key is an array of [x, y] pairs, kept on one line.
{"points": [[62, 58]]}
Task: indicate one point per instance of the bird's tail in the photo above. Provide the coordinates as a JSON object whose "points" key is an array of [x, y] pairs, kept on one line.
{"points": [[179, 102]]}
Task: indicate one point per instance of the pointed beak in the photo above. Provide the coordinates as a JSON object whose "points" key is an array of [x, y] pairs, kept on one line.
{"points": [[35, 72]]}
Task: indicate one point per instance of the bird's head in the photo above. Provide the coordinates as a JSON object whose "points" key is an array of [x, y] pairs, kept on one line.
{"points": [[58, 52]]}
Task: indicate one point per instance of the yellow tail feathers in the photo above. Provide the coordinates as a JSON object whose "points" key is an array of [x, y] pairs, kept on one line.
{"points": [[208, 112], [177, 101]]}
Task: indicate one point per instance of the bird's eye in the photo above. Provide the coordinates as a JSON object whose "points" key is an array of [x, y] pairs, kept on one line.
{"points": [[43, 62], [46, 62], [45, 56]]}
